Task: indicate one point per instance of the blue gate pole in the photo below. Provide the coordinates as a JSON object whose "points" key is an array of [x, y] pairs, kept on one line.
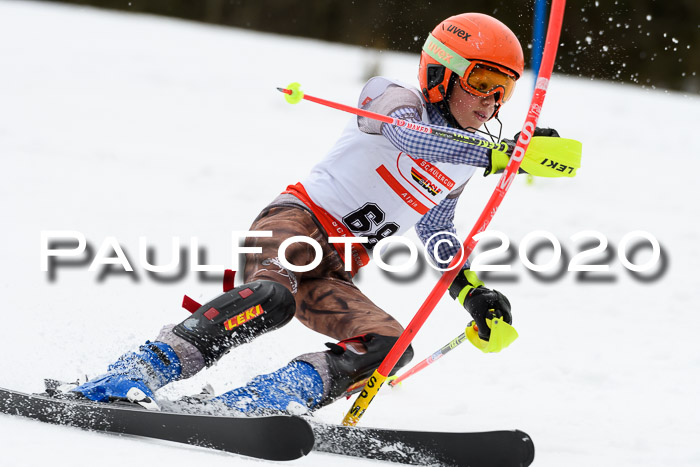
{"points": [[538, 32], [539, 23]]}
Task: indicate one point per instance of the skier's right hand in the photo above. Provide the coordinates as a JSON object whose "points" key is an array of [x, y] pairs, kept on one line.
{"points": [[482, 303], [485, 305]]}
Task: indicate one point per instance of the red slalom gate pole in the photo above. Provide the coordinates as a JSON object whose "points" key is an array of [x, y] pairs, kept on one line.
{"points": [[375, 382]]}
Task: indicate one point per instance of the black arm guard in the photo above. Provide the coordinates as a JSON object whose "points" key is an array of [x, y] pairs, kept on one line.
{"points": [[236, 317]]}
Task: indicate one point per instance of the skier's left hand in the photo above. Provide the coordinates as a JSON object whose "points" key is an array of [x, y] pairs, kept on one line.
{"points": [[482, 303], [551, 132], [532, 162]]}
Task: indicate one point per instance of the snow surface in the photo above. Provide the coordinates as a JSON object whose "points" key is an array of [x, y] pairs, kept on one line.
{"points": [[126, 125]]}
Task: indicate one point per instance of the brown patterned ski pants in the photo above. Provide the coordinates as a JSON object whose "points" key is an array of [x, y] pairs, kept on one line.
{"points": [[327, 301]]}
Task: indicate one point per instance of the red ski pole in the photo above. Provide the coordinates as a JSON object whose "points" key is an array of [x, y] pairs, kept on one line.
{"points": [[375, 382], [294, 95], [430, 360]]}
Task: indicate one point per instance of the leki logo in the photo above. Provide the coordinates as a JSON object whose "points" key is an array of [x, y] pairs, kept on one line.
{"points": [[242, 318], [558, 166], [425, 183], [458, 32]]}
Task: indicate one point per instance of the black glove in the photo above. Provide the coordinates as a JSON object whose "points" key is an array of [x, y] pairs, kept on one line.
{"points": [[482, 303], [540, 132], [486, 304]]}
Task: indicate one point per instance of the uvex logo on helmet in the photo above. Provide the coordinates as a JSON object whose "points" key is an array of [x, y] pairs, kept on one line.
{"points": [[459, 32]]}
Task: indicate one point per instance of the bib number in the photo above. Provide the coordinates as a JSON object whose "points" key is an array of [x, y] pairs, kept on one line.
{"points": [[365, 220]]}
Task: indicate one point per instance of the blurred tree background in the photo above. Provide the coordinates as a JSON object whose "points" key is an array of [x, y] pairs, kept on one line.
{"points": [[653, 43]]}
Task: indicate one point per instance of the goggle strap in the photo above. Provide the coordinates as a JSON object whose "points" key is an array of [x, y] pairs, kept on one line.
{"points": [[445, 56]]}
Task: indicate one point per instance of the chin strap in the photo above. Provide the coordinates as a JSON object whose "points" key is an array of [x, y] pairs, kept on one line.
{"points": [[488, 133]]}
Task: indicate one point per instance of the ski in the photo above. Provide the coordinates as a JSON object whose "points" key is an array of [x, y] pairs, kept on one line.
{"points": [[478, 449], [275, 438], [279, 437]]}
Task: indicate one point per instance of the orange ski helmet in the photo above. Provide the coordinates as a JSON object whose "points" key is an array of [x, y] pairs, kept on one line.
{"points": [[479, 50]]}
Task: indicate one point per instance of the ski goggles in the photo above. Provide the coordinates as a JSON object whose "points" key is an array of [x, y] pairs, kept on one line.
{"points": [[475, 76], [484, 80]]}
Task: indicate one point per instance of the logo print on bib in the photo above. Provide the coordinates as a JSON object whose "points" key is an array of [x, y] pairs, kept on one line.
{"points": [[425, 183]]}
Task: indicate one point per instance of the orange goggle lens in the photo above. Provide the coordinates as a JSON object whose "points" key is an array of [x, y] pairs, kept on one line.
{"points": [[484, 80]]}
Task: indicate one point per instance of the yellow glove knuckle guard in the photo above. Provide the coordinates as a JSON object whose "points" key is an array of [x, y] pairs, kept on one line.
{"points": [[552, 157], [502, 335]]}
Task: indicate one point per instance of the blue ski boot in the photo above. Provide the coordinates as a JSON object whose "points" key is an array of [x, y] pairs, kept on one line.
{"points": [[135, 376], [296, 388]]}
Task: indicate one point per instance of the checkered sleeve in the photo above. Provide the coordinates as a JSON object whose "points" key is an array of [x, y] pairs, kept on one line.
{"points": [[430, 147], [434, 230]]}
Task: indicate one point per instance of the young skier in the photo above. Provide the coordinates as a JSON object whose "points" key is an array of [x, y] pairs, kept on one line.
{"points": [[377, 180]]}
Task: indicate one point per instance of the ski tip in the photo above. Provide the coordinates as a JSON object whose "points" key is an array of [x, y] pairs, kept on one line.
{"points": [[528, 446], [307, 432], [298, 441]]}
